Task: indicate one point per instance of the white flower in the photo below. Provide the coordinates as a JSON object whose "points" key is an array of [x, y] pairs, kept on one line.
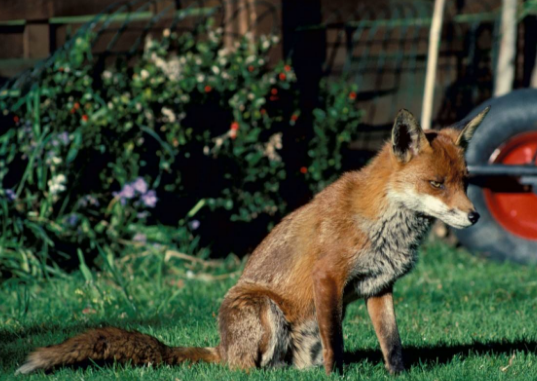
{"points": [[166, 32], [272, 81], [222, 61], [261, 62], [274, 143], [56, 184], [168, 114], [200, 78], [172, 68], [213, 37], [251, 96], [107, 74], [275, 39], [250, 59], [225, 75], [184, 98], [222, 52], [198, 61], [215, 70], [144, 74], [265, 45]]}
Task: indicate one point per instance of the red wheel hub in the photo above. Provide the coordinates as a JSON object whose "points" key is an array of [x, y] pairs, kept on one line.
{"points": [[515, 212]]}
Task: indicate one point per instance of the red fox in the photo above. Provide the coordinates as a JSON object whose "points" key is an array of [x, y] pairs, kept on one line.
{"points": [[353, 240]]}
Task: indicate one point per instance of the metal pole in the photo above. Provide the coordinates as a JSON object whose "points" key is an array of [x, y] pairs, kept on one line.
{"points": [[432, 60]]}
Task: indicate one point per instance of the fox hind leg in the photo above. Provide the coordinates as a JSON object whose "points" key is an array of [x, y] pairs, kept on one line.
{"points": [[253, 329]]}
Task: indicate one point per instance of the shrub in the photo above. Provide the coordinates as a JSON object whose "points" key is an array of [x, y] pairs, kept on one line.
{"points": [[175, 150]]}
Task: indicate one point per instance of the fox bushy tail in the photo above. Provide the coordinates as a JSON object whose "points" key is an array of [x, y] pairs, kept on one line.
{"points": [[114, 344]]}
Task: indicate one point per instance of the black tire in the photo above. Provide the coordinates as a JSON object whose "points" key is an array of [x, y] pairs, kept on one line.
{"points": [[510, 115]]}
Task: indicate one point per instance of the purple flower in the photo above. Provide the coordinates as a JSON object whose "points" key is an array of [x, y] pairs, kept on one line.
{"points": [[127, 191], [139, 237], [143, 215], [72, 219], [150, 199], [92, 200], [89, 199], [194, 224], [140, 185], [10, 194], [64, 137]]}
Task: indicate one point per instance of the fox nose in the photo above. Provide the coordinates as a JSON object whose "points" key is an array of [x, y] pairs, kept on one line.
{"points": [[473, 217]]}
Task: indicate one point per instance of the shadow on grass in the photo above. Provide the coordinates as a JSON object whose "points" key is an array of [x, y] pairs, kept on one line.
{"points": [[444, 353], [414, 356]]}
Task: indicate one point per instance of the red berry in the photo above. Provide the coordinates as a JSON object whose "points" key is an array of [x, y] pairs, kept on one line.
{"points": [[274, 91], [85, 118], [263, 111], [234, 126], [16, 119], [250, 68], [73, 110], [287, 68], [283, 76], [76, 106], [233, 134], [208, 89], [303, 170], [294, 117], [352, 95]]}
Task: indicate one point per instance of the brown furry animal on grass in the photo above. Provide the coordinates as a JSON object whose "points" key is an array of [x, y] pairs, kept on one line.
{"points": [[353, 240]]}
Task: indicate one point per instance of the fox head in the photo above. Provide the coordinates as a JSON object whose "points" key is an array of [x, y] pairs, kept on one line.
{"points": [[431, 175]]}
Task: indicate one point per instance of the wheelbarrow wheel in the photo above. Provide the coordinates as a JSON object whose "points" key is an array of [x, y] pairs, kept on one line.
{"points": [[507, 229]]}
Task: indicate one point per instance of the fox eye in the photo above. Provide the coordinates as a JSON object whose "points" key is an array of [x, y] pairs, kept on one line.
{"points": [[436, 184]]}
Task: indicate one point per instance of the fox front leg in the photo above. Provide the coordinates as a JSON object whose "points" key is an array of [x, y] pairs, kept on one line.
{"points": [[381, 311], [328, 293]]}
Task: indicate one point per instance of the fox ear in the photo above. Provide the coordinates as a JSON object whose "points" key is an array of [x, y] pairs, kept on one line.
{"points": [[468, 130], [408, 139]]}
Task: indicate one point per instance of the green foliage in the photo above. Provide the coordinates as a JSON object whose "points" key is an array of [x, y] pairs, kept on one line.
{"points": [[335, 126], [93, 158]]}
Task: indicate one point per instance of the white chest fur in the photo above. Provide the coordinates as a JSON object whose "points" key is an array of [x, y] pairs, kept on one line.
{"points": [[394, 240]]}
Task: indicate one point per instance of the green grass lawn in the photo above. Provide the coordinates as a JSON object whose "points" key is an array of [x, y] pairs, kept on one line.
{"points": [[460, 318]]}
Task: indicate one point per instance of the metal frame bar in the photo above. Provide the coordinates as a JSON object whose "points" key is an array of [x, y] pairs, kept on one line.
{"points": [[502, 170]]}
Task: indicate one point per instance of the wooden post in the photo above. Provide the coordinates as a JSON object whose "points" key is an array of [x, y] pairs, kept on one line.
{"points": [[432, 60], [36, 40], [505, 71]]}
